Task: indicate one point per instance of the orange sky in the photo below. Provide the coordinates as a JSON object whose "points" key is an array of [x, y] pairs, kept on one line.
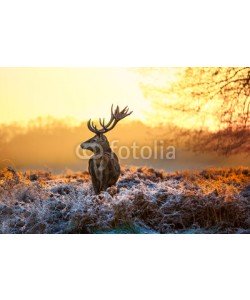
{"points": [[82, 93], [77, 93]]}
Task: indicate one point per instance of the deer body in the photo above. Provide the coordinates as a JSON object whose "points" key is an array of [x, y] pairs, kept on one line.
{"points": [[104, 167], [104, 171]]}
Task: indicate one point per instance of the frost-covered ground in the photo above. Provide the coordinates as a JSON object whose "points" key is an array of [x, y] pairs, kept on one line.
{"points": [[144, 201]]}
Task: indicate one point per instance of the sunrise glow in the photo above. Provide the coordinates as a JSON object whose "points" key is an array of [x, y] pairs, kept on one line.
{"points": [[77, 94]]}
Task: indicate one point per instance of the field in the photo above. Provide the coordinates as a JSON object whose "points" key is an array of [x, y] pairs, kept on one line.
{"points": [[144, 201]]}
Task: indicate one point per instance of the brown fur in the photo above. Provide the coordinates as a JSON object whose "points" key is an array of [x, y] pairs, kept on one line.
{"points": [[104, 171], [104, 166]]}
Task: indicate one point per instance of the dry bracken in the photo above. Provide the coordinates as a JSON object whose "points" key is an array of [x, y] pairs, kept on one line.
{"points": [[144, 201]]}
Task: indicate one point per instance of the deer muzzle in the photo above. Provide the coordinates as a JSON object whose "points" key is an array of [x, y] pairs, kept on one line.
{"points": [[92, 146], [86, 145]]}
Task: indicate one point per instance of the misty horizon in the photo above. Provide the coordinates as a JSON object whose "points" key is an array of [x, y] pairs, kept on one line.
{"points": [[52, 146]]}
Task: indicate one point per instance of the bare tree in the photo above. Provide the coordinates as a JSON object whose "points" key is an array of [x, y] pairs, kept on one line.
{"points": [[227, 90]]}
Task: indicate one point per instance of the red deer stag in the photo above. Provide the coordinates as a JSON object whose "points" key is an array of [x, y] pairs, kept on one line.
{"points": [[104, 166]]}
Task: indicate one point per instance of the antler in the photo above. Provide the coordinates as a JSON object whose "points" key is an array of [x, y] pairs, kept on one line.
{"points": [[116, 116]]}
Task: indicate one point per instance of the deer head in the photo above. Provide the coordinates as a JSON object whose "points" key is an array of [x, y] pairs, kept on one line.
{"points": [[99, 143]]}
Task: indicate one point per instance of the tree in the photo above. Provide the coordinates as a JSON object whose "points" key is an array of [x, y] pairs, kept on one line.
{"points": [[219, 94]]}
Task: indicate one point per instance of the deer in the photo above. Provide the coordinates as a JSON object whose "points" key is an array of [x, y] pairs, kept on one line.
{"points": [[104, 167]]}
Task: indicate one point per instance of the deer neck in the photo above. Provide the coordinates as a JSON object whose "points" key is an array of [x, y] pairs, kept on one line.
{"points": [[106, 150]]}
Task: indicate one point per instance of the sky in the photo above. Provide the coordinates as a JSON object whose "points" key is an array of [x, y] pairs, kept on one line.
{"points": [[78, 94], [74, 93]]}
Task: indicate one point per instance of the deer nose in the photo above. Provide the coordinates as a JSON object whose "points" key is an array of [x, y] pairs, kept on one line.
{"points": [[82, 145], [86, 145]]}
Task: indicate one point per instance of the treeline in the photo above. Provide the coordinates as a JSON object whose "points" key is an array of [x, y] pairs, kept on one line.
{"points": [[53, 144]]}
